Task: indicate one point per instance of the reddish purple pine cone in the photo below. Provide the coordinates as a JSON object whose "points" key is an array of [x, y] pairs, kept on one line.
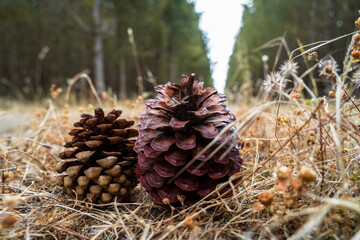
{"points": [[176, 127]]}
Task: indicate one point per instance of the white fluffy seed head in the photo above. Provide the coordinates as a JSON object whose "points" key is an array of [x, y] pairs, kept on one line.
{"points": [[11, 200]]}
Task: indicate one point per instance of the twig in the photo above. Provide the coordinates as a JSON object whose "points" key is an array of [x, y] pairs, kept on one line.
{"points": [[75, 79]]}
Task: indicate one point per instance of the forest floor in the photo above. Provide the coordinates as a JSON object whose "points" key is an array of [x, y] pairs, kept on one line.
{"points": [[300, 179]]}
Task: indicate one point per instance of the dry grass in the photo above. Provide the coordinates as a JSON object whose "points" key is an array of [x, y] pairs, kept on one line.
{"points": [[301, 157]]}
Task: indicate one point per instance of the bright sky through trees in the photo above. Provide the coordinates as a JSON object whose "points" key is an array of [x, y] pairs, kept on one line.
{"points": [[220, 20]]}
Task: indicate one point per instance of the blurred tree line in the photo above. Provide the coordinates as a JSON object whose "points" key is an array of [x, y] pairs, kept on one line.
{"points": [[300, 22], [49, 41]]}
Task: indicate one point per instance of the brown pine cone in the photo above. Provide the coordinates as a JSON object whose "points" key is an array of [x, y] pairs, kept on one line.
{"points": [[100, 159]]}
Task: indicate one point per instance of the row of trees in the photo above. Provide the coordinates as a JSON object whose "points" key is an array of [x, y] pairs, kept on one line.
{"points": [[118, 42], [299, 22]]}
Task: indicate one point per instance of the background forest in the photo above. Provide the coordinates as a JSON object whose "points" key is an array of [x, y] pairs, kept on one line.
{"points": [[299, 23], [45, 42]]}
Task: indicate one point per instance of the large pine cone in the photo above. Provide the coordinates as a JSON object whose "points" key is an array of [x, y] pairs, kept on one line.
{"points": [[176, 127], [101, 159]]}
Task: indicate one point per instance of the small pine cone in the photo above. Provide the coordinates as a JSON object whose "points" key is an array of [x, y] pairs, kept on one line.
{"points": [[176, 127], [100, 161]]}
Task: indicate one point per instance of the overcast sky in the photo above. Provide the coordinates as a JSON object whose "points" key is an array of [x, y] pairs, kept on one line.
{"points": [[220, 21]]}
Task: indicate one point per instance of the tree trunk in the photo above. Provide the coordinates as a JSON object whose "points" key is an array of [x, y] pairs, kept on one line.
{"points": [[98, 50], [327, 23], [172, 69], [123, 78], [314, 10], [139, 79]]}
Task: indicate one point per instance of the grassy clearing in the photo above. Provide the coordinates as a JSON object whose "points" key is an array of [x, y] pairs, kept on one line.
{"points": [[324, 208]]}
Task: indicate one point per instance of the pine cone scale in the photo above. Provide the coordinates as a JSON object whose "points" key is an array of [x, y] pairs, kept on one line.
{"points": [[185, 141], [177, 157], [165, 169], [162, 143], [154, 179]]}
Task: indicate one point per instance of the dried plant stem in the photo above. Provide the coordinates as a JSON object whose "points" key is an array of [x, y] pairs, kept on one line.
{"points": [[139, 78], [311, 224], [88, 79], [313, 80], [321, 43], [337, 133], [262, 164]]}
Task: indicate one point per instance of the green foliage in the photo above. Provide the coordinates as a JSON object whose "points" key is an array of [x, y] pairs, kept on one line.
{"points": [[166, 32], [307, 20]]}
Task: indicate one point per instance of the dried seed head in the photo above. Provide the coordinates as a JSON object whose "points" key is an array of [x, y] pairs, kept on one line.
{"points": [[166, 201], [52, 87], [294, 95], [9, 220], [356, 79], [356, 41], [328, 68], [266, 198], [282, 119], [307, 174], [357, 23], [356, 54], [273, 81], [181, 198], [357, 38], [283, 172], [313, 56], [295, 184], [247, 144], [332, 94], [289, 67], [190, 223], [11, 200]]}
